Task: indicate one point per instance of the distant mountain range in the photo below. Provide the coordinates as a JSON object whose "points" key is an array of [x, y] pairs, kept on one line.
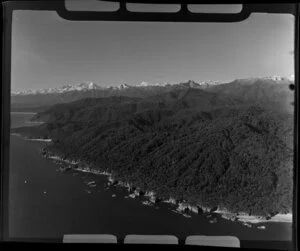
{"points": [[36, 100], [88, 86]]}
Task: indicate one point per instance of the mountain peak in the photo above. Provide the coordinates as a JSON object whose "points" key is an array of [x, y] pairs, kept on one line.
{"points": [[92, 85], [144, 83], [65, 88], [190, 83], [275, 78], [84, 86], [123, 86], [291, 77]]}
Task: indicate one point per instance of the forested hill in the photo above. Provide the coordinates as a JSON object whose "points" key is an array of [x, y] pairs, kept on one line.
{"points": [[110, 108], [223, 147], [265, 92]]}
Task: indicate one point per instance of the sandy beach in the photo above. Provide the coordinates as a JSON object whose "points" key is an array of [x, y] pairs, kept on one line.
{"points": [[243, 217]]}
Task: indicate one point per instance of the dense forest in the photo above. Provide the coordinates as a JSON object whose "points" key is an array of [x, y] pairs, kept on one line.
{"points": [[230, 147]]}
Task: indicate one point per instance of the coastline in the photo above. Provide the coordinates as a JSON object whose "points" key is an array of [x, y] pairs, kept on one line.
{"points": [[41, 140], [287, 218], [29, 139], [246, 218], [182, 207]]}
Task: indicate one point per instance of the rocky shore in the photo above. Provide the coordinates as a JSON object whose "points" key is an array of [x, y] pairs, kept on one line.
{"points": [[182, 207]]}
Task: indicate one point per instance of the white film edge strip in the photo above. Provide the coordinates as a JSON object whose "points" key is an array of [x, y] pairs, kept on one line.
{"points": [[201, 240]]}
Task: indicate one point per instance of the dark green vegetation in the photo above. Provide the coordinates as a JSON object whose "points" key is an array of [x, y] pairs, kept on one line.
{"points": [[230, 145]]}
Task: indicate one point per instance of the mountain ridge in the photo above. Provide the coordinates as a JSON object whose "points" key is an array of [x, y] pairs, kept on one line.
{"points": [[69, 93], [84, 86]]}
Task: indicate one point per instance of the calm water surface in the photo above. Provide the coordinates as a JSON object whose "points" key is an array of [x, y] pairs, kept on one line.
{"points": [[45, 203]]}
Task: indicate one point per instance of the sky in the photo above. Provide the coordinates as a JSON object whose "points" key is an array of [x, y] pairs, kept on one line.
{"points": [[48, 51]]}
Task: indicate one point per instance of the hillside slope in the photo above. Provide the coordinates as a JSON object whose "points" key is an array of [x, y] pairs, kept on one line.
{"points": [[230, 146]]}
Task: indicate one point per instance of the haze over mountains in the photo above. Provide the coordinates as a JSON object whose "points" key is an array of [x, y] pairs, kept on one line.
{"points": [[35, 99], [86, 86]]}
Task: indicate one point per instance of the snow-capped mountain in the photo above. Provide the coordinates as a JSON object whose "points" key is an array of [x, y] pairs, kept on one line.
{"points": [[122, 86], [291, 77], [279, 78], [275, 78], [190, 83], [210, 82], [70, 93], [202, 84], [147, 84], [85, 86], [88, 86], [143, 83]]}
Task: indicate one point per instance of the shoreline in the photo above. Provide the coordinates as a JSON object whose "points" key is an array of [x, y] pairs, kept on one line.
{"points": [[29, 139], [181, 207], [246, 218], [41, 140]]}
